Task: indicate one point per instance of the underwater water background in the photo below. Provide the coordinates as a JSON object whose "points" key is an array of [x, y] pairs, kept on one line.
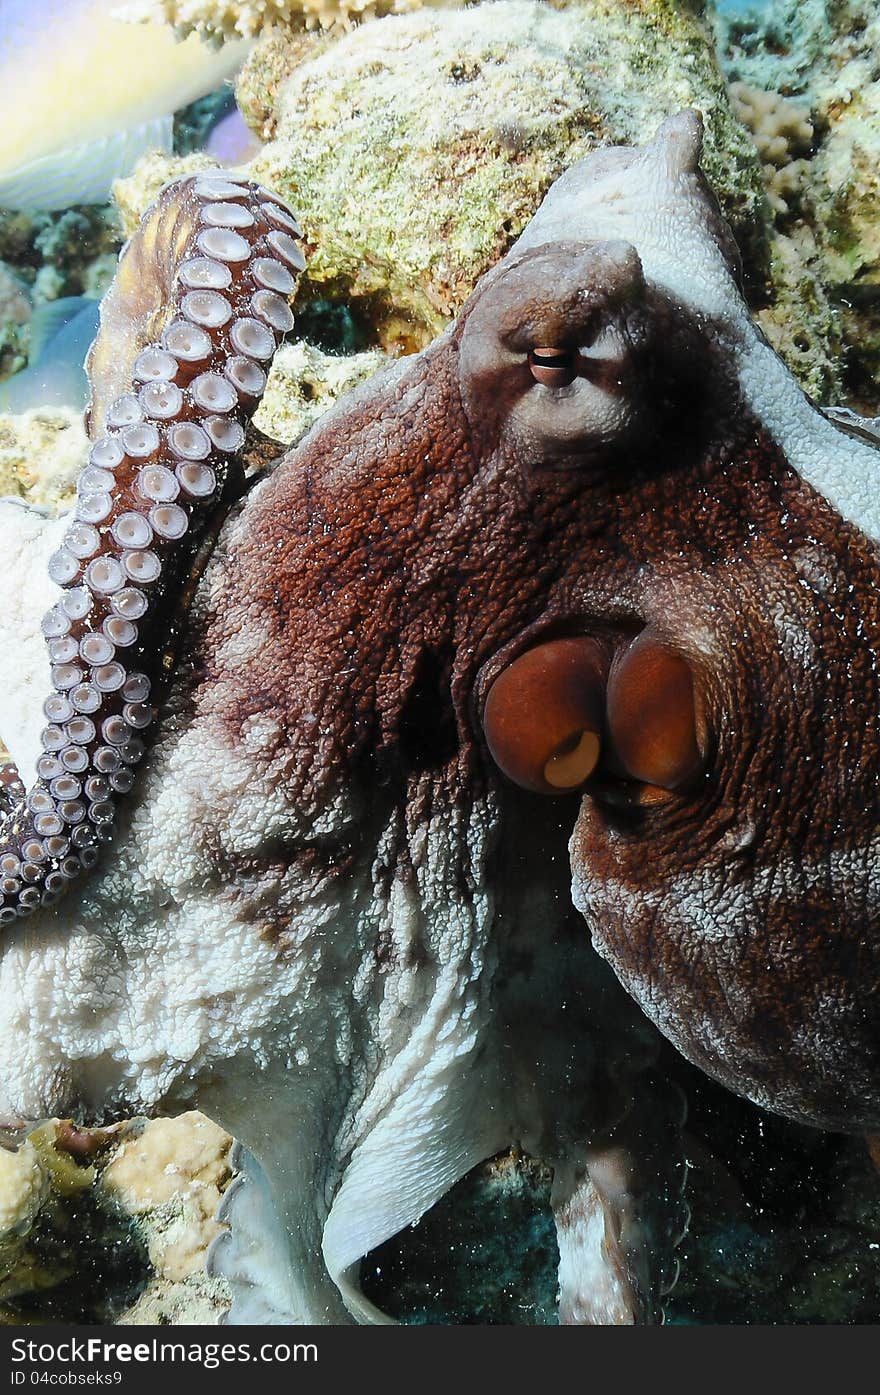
{"points": [[785, 1221]]}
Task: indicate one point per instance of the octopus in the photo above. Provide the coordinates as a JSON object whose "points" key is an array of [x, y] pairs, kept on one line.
{"points": [[527, 707]]}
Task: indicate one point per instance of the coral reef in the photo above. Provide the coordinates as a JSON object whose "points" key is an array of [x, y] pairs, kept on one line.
{"points": [[54, 253], [304, 382], [827, 55], [134, 194], [783, 134], [169, 1210], [271, 61], [449, 128], [168, 1176], [23, 1187], [15, 314], [783, 1230], [219, 21]]}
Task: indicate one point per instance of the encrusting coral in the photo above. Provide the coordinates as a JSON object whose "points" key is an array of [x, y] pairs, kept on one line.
{"points": [[15, 314]]}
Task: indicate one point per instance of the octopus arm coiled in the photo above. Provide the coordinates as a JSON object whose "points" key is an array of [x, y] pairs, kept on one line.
{"points": [[198, 307]]}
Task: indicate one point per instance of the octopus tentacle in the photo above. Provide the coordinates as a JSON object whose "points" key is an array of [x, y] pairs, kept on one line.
{"points": [[198, 307]]}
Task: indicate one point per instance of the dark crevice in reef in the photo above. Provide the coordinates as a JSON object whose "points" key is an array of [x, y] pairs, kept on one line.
{"points": [[105, 1263], [785, 1229]]}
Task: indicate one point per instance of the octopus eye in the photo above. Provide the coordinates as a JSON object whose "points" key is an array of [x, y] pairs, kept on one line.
{"points": [[543, 715], [651, 714], [553, 367]]}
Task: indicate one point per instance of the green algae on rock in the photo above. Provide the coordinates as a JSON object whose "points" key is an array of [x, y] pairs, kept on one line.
{"points": [[417, 147]]}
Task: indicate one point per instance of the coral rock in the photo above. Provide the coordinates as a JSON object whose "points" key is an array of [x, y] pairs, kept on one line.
{"points": [[169, 1178], [416, 148]]}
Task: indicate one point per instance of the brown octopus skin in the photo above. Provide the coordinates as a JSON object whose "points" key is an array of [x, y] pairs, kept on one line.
{"points": [[188, 329], [420, 538]]}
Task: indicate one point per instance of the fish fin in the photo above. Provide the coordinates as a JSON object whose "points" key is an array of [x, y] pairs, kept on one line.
{"points": [[83, 173], [55, 376], [51, 317]]}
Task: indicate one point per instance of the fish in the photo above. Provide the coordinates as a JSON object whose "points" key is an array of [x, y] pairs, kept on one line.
{"points": [[85, 94], [61, 332], [231, 141]]}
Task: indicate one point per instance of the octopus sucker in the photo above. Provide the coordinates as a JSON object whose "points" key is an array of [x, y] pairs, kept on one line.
{"points": [[188, 330]]}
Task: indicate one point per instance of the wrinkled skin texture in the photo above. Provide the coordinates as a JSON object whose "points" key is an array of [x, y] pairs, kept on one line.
{"points": [[330, 920]]}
